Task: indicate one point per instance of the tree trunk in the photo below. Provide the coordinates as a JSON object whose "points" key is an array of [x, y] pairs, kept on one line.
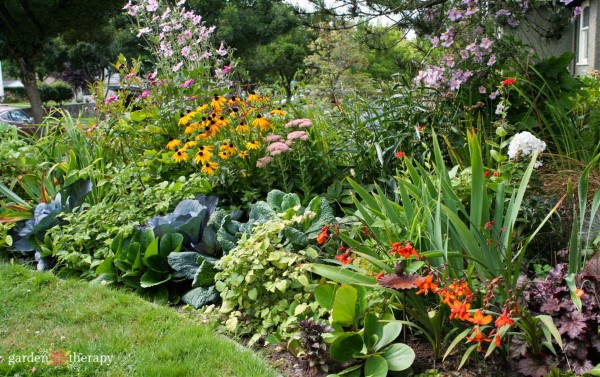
{"points": [[29, 79]]}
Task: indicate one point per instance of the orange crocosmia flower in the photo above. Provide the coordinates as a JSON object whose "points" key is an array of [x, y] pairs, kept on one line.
{"points": [[579, 293], [400, 154], [480, 319], [344, 258], [380, 275], [460, 310], [509, 81], [426, 284], [497, 339], [504, 319], [403, 251], [478, 337], [321, 238]]}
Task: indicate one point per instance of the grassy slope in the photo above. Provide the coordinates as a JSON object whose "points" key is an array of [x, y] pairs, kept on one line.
{"points": [[37, 310]]}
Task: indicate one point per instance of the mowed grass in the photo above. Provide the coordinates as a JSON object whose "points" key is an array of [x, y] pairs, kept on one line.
{"points": [[41, 314]]}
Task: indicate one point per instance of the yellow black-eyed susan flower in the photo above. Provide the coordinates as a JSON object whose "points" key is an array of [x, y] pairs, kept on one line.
{"points": [[278, 111], [172, 144], [209, 167], [202, 156], [218, 102], [262, 122], [243, 128], [180, 156], [254, 144]]}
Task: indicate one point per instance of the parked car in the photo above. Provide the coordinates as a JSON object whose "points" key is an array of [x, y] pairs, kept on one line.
{"points": [[17, 117]]}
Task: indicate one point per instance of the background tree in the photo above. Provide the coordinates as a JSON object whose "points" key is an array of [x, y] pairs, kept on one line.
{"points": [[27, 26], [267, 37], [336, 62]]}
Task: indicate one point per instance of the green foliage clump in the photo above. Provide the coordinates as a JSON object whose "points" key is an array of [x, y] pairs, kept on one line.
{"points": [[263, 287], [17, 155], [58, 91], [84, 239]]}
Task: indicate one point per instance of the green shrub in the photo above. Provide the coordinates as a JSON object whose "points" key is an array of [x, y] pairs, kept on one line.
{"points": [[58, 91]]}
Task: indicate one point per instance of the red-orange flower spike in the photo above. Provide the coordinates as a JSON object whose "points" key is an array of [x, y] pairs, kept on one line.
{"points": [[504, 319], [509, 81], [402, 250], [480, 319], [478, 337], [460, 310], [344, 258], [579, 293], [380, 275], [426, 284], [322, 237]]}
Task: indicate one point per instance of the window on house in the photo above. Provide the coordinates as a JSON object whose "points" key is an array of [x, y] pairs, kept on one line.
{"points": [[584, 31]]}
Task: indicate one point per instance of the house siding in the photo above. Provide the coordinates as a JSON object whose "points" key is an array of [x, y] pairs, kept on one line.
{"points": [[593, 62], [568, 41]]}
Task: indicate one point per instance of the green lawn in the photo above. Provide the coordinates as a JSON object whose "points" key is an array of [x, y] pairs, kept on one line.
{"points": [[42, 316]]}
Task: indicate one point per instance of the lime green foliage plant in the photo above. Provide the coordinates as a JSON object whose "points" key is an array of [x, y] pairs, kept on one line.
{"points": [[263, 287]]}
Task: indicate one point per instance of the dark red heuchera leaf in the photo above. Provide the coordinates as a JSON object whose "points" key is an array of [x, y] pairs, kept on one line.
{"points": [[573, 324], [551, 306], [592, 268], [533, 366], [581, 368]]}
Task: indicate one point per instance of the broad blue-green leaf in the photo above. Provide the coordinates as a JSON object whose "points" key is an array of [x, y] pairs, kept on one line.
{"points": [[274, 199], [199, 297], [295, 237], [185, 264], [373, 330], [390, 331], [205, 276], [376, 366], [399, 356], [289, 201]]}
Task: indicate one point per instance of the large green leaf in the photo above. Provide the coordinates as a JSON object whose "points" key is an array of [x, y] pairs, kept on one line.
{"points": [[170, 243], [340, 274], [199, 297], [325, 294], [373, 330], [390, 331], [376, 366], [344, 305], [205, 276], [399, 356], [345, 346], [185, 264], [152, 278]]}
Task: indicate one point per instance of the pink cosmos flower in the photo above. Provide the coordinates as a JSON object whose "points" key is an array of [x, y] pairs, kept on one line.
{"points": [[110, 99], [187, 83]]}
